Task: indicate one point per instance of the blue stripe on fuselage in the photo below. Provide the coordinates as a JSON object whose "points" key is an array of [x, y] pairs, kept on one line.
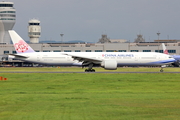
{"points": [[164, 61]]}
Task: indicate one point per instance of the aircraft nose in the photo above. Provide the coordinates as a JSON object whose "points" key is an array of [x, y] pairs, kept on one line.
{"points": [[173, 59]]}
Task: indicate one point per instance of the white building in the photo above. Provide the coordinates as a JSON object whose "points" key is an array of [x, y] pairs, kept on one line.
{"points": [[173, 48], [7, 20], [34, 30]]}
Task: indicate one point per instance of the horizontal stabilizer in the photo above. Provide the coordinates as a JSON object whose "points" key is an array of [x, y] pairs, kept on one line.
{"points": [[19, 56]]}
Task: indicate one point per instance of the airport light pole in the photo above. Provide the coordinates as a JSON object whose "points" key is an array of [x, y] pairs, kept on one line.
{"points": [[61, 41], [158, 39], [128, 45], [61, 37]]}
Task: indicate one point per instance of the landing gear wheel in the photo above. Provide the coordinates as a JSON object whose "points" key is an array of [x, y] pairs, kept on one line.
{"points": [[89, 70], [161, 70]]}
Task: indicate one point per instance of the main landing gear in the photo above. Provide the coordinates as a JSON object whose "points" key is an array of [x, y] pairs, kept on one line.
{"points": [[90, 68]]}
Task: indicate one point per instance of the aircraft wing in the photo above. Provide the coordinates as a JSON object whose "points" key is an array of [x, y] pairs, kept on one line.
{"points": [[19, 56], [81, 58]]}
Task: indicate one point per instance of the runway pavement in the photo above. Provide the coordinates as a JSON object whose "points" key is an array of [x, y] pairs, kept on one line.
{"points": [[82, 72]]}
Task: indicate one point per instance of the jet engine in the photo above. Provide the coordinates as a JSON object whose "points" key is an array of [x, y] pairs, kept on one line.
{"points": [[109, 64]]}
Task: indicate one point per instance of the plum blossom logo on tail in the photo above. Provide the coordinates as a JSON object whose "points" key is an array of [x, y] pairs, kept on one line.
{"points": [[21, 46], [165, 51]]}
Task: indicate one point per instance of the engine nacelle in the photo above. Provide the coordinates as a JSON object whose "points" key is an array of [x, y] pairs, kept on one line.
{"points": [[109, 64]]}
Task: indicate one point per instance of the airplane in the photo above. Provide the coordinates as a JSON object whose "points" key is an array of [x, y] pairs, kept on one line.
{"points": [[107, 60], [176, 57]]}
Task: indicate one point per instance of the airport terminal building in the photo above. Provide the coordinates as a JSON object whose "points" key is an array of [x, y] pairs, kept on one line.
{"points": [[103, 45]]}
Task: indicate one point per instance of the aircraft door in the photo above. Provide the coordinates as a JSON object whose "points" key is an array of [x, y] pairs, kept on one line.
{"points": [[136, 59], [99, 57], [159, 57], [68, 58], [38, 57]]}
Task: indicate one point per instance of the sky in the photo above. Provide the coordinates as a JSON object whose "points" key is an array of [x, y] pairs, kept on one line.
{"points": [[87, 20]]}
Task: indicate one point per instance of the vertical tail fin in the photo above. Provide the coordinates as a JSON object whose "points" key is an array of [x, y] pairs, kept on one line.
{"points": [[19, 44], [165, 51]]}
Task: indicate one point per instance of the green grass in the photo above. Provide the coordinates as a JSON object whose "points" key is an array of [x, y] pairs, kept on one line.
{"points": [[77, 96]]}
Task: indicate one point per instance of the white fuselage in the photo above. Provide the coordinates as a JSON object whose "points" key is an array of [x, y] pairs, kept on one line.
{"points": [[122, 58]]}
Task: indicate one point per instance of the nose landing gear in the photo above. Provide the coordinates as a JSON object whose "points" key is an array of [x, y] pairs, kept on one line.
{"points": [[163, 66]]}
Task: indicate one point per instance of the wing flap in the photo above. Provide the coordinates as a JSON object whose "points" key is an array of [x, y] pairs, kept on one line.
{"points": [[83, 58]]}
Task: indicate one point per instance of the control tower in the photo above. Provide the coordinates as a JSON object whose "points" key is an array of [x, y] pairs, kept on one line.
{"points": [[34, 30], [7, 20]]}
